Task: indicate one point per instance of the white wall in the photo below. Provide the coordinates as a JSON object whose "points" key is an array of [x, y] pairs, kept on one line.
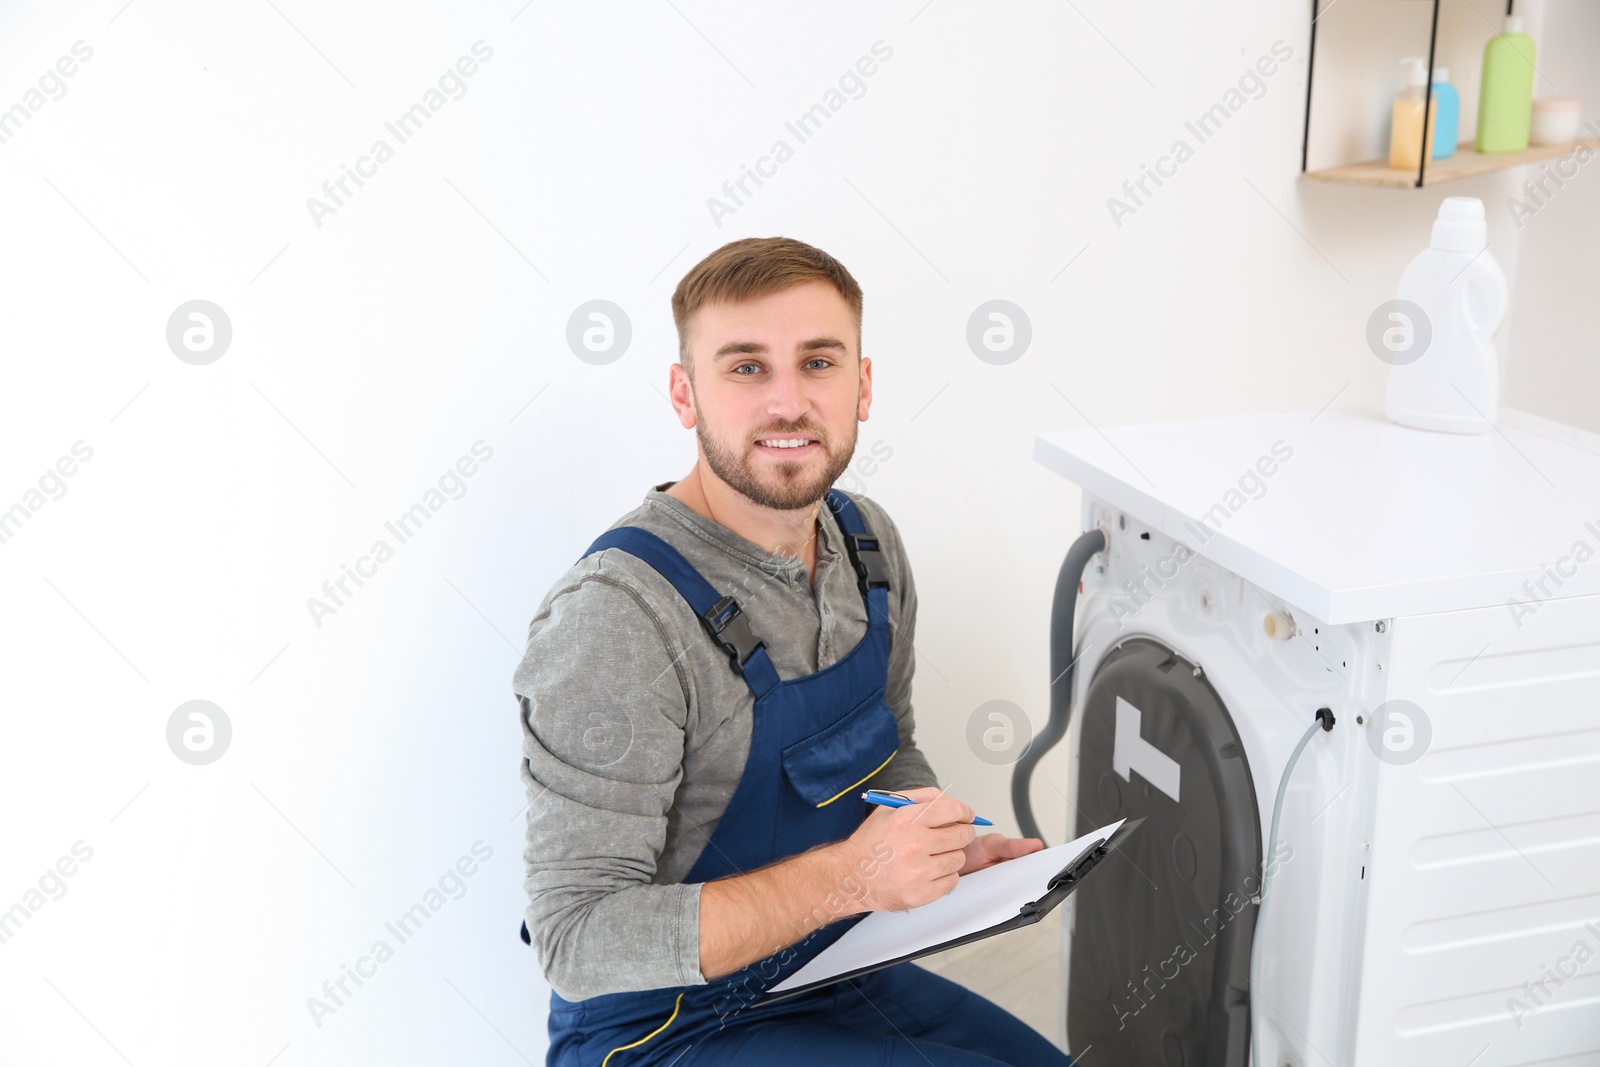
{"points": [[374, 747], [1550, 366]]}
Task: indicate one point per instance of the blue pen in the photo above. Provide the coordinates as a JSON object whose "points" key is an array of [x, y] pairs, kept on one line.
{"points": [[895, 800]]}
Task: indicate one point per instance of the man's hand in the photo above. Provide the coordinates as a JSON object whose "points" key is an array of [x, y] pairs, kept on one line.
{"points": [[991, 849], [985, 851], [898, 858], [922, 849], [909, 856]]}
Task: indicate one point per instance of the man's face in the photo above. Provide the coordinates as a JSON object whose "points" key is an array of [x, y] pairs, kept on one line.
{"points": [[778, 389]]}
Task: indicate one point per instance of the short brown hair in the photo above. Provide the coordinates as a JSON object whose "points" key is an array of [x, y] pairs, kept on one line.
{"points": [[753, 267]]}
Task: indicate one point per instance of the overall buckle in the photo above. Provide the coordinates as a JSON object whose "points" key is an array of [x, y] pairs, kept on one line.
{"points": [[728, 627], [867, 559]]}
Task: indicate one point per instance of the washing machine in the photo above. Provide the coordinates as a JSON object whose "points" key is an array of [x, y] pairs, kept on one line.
{"points": [[1406, 622]]}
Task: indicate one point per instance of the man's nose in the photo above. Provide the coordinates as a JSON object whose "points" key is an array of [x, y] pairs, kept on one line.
{"points": [[786, 398]]}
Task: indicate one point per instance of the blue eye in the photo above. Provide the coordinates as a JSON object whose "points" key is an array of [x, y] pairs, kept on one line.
{"points": [[817, 363]]}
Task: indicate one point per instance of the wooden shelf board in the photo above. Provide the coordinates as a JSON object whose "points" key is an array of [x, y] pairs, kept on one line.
{"points": [[1464, 164]]}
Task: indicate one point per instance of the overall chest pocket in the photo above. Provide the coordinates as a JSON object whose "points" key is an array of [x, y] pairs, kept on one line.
{"points": [[839, 757]]}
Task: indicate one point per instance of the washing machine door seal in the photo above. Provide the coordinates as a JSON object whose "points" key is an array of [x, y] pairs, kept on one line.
{"points": [[1160, 950]]}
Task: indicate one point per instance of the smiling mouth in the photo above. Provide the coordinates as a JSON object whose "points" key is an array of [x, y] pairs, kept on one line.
{"points": [[786, 445]]}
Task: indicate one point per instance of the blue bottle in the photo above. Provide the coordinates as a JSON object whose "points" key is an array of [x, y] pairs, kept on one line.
{"points": [[1446, 114]]}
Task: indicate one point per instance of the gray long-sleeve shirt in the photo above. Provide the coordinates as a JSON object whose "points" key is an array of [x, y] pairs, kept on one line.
{"points": [[636, 731]]}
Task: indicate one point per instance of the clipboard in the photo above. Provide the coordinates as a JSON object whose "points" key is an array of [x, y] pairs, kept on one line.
{"points": [[1057, 888]]}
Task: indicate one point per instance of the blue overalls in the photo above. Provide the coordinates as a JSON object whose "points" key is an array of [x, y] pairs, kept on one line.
{"points": [[813, 741]]}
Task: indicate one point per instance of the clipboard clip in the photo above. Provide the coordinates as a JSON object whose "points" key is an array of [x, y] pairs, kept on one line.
{"points": [[1067, 879], [1073, 873]]}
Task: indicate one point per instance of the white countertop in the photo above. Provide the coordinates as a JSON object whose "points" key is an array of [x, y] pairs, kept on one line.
{"points": [[1365, 519]]}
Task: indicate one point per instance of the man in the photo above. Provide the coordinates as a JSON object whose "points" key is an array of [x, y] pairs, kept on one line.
{"points": [[705, 695]]}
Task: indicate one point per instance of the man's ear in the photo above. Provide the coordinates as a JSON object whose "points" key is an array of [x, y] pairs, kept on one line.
{"points": [[865, 402], [681, 392]]}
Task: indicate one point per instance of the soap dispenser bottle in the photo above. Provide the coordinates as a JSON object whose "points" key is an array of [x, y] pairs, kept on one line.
{"points": [[1407, 141], [1447, 105], [1505, 96], [1457, 295]]}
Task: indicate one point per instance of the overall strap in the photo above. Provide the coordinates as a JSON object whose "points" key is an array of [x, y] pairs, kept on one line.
{"points": [[866, 556], [720, 615]]}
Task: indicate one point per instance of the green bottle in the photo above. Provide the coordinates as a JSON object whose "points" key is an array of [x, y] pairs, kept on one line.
{"points": [[1505, 95]]}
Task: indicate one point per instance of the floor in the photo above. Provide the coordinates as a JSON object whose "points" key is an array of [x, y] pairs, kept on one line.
{"points": [[1020, 971]]}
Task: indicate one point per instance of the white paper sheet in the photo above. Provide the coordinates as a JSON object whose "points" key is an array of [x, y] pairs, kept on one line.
{"points": [[980, 900]]}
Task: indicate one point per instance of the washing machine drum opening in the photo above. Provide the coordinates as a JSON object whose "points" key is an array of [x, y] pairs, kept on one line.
{"points": [[1159, 972]]}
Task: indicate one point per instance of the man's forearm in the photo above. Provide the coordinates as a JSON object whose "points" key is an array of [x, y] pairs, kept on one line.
{"points": [[748, 917]]}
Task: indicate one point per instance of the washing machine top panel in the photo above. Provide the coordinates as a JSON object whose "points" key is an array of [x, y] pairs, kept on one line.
{"points": [[1350, 516]]}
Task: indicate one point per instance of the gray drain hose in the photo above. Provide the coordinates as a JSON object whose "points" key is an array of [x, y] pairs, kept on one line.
{"points": [[1324, 721], [1062, 612]]}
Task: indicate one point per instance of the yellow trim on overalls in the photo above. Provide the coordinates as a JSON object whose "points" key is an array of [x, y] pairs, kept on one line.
{"points": [[648, 1036], [847, 789]]}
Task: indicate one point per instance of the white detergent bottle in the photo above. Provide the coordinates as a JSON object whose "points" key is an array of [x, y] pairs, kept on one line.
{"points": [[1452, 383]]}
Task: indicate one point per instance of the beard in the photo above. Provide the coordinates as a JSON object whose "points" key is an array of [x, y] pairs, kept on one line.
{"points": [[788, 487]]}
